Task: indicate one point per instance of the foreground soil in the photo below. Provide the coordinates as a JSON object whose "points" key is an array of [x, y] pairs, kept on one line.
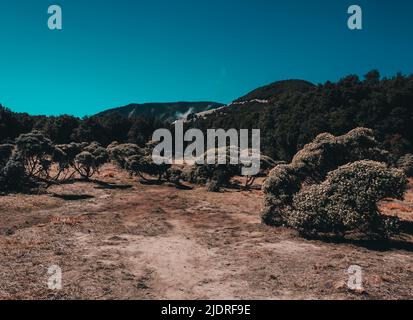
{"points": [[158, 242]]}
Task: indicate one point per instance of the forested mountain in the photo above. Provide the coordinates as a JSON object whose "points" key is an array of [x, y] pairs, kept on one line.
{"points": [[163, 111], [273, 90], [293, 118]]}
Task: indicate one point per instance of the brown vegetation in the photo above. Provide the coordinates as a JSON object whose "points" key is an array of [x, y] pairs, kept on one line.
{"points": [[161, 242]]}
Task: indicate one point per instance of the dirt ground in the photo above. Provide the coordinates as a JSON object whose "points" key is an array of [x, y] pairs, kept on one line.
{"points": [[158, 242]]}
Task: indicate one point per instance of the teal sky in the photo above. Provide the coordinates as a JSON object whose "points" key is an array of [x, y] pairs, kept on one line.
{"points": [[111, 53]]}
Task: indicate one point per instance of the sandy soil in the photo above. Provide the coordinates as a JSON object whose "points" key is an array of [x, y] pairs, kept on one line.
{"points": [[158, 242]]}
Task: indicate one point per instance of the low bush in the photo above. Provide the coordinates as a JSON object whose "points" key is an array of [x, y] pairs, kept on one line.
{"points": [[173, 175], [347, 201], [137, 161], [333, 185], [88, 162], [405, 163], [218, 175], [35, 151], [13, 176]]}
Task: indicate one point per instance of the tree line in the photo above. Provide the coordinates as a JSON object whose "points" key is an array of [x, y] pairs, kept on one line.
{"points": [[64, 129]]}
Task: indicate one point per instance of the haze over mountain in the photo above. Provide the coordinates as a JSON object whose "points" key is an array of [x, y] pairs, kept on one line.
{"points": [[169, 111]]}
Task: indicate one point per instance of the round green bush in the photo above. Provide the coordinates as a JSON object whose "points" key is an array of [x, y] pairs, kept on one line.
{"points": [[405, 163], [333, 185]]}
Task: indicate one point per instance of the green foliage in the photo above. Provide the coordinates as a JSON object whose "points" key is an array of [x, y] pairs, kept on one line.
{"points": [[12, 125], [12, 173], [213, 186], [65, 154], [293, 118], [99, 153], [296, 112], [218, 175], [65, 129], [405, 163], [82, 158], [6, 151], [328, 152], [330, 187], [60, 129], [347, 201], [120, 153], [141, 165], [88, 162], [173, 175], [137, 161], [35, 150]]}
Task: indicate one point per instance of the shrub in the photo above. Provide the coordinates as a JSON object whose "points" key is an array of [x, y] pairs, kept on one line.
{"points": [[347, 200], [12, 175], [222, 174], [328, 152], [219, 174], [22, 165], [99, 153], [173, 175], [88, 162], [326, 189], [204, 174], [119, 153], [141, 165], [213, 186], [137, 161], [35, 151], [64, 156], [405, 163], [6, 151], [84, 164]]}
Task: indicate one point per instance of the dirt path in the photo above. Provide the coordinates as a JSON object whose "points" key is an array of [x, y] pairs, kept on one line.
{"points": [[159, 242]]}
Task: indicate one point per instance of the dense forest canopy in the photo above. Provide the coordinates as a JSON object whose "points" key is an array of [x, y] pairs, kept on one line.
{"points": [[65, 129], [163, 111]]}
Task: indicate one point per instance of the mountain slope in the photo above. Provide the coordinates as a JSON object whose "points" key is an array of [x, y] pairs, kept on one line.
{"points": [[277, 88], [170, 111], [291, 119]]}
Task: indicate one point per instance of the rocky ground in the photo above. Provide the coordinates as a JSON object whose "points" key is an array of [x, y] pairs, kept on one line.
{"points": [[158, 242]]}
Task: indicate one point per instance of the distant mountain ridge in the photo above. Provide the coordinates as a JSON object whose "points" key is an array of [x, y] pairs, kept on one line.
{"points": [[169, 111], [275, 89], [260, 97], [172, 111]]}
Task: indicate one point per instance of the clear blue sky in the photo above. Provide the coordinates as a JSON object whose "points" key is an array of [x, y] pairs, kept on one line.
{"points": [[114, 52]]}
